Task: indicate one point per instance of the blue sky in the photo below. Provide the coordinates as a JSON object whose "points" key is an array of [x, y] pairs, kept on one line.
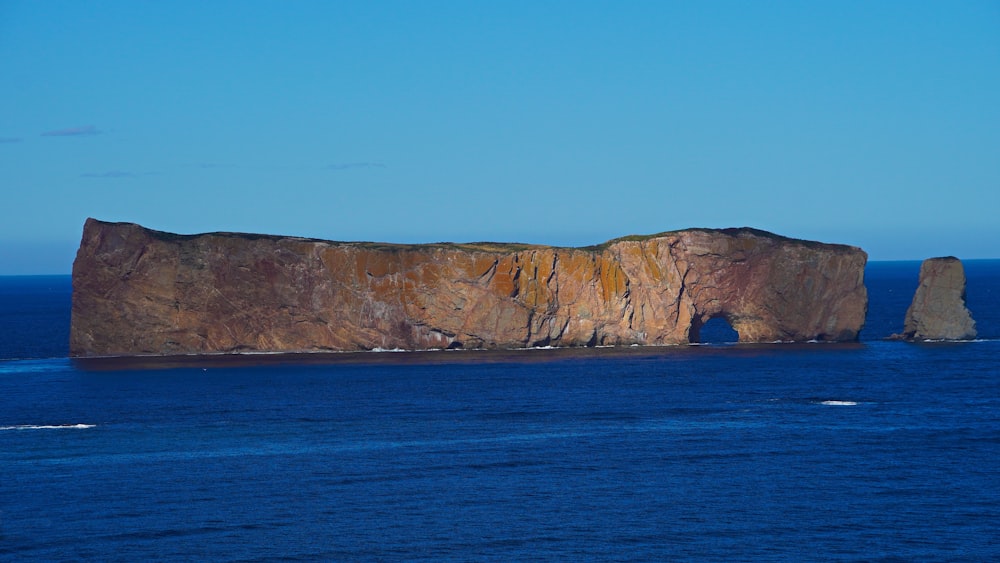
{"points": [[869, 123]]}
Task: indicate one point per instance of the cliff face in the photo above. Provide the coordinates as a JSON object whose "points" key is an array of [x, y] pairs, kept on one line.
{"points": [[938, 309], [138, 291]]}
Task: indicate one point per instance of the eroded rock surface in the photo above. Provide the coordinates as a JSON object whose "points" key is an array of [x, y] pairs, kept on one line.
{"points": [[139, 291], [938, 310]]}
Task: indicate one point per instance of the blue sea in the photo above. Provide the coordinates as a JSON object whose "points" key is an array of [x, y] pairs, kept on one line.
{"points": [[868, 451]]}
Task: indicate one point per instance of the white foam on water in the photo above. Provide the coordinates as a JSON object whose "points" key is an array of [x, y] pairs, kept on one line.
{"points": [[47, 426], [949, 340], [839, 403], [15, 366]]}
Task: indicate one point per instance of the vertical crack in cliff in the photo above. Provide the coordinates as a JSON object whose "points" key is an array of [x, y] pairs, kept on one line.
{"points": [[552, 284], [515, 280], [134, 262], [628, 311], [562, 329], [487, 276], [531, 317], [682, 288]]}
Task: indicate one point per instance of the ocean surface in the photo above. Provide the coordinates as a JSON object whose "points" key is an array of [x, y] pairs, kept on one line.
{"points": [[869, 451]]}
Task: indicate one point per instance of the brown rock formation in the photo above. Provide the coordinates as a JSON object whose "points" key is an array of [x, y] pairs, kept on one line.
{"points": [[938, 309], [139, 291]]}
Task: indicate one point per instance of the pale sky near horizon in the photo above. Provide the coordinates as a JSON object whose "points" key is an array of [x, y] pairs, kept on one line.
{"points": [[875, 124]]}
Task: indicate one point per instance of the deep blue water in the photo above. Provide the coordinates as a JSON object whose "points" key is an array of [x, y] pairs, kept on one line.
{"points": [[34, 316], [869, 451]]}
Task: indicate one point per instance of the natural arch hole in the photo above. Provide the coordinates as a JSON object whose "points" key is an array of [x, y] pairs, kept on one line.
{"points": [[716, 330]]}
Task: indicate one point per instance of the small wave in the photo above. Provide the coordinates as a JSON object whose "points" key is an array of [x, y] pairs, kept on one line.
{"points": [[955, 340], [839, 403], [10, 366], [47, 426]]}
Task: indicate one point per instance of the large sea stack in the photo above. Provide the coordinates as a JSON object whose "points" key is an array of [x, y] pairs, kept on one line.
{"points": [[938, 310], [138, 291]]}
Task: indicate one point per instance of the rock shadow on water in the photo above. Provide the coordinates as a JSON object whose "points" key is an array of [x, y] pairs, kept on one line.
{"points": [[208, 362]]}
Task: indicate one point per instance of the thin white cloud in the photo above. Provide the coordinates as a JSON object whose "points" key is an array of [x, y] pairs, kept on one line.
{"points": [[350, 165], [112, 174], [72, 131], [215, 165]]}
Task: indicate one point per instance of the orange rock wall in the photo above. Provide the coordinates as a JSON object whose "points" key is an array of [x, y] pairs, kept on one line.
{"points": [[138, 291]]}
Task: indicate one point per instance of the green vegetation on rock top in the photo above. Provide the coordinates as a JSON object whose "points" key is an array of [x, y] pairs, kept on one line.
{"points": [[483, 246]]}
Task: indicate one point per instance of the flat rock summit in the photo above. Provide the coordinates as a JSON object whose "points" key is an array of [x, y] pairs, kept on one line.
{"points": [[138, 291]]}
